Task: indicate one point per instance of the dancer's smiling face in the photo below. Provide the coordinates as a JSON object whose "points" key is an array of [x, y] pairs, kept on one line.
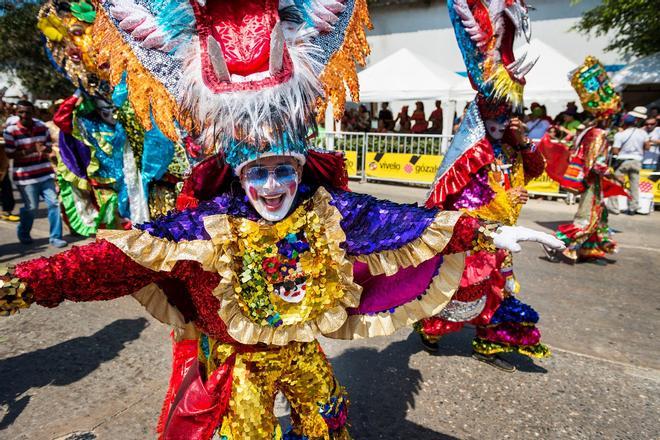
{"points": [[271, 184]]}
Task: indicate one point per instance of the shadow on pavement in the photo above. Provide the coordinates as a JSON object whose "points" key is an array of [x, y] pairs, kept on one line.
{"points": [[15, 249], [61, 364], [460, 344], [381, 387], [552, 226]]}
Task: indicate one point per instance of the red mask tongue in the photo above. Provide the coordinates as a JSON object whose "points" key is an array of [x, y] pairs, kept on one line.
{"points": [[243, 28]]}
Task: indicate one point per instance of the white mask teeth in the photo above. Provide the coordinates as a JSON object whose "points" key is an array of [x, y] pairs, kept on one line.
{"points": [[202, 3], [276, 49], [524, 70], [217, 59], [512, 67]]}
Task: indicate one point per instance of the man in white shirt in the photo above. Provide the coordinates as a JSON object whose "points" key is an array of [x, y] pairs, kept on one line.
{"points": [[652, 154], [628, 148]]}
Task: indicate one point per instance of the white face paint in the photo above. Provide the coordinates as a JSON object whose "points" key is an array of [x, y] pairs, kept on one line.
{"points": [[496, 127], [271, 187]]}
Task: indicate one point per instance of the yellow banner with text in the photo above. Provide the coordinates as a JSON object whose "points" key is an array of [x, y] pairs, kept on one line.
{"points": [[351, 158], [649, 182], [404, 167], [543, 185]]}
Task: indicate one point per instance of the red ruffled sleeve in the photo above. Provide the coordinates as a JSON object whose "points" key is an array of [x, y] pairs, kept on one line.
{"points": [[460, 173], [97, 271], [63, 116], [465, 230]]}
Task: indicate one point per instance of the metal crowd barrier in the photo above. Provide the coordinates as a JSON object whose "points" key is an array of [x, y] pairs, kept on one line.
{"points": [[413, 159], [369, 154]]}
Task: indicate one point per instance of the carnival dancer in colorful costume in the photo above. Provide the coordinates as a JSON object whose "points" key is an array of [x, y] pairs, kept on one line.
{"points": [[279, 252], [484, 173], [587, 171], [110, 170]]}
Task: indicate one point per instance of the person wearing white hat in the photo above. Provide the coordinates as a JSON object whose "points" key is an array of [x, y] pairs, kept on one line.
{"points": [[628, 148]]}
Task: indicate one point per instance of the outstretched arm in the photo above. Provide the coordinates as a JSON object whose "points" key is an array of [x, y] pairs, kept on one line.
{"points": [[97, 271], [410, 260], [389, 236]]}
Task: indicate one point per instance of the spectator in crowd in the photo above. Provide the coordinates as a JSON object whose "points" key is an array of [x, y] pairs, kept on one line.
{"points": [[571, 108], [628, 147], [537, 126], [420, 118], [459, 119], [436, 118], [652, 152], [653, 112], [28, 142], [364, 119], [349, 120], [6, 191], [569, 123], [544, 115], [385, 115], [381, 128], [403, 119]]}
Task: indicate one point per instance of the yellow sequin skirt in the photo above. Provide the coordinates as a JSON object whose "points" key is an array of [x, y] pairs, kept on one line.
{"points": [[301, 372]]}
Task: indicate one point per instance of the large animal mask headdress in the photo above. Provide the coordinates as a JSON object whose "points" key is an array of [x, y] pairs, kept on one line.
{"points": [[486, 31], [241, 75]]}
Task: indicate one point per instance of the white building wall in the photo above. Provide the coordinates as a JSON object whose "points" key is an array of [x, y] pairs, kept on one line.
{"points": [[427, 31]]}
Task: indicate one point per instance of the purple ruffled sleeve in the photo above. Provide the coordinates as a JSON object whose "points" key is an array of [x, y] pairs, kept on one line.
{"points": [[373, 225], [188, 224]]}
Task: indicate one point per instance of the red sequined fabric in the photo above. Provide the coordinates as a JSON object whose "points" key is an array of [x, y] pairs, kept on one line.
{"points": [[533, 164], [100, 271], [435, 326], [463, 234], [87, 273], [199, 286], [460, 173]]}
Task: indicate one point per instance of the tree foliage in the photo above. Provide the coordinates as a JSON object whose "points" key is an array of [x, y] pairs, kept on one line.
{"points": [[632, 25], [22, 51]]}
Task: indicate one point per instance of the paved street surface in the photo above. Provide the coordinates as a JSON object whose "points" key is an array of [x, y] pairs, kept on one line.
{"points": [[99, 370]]}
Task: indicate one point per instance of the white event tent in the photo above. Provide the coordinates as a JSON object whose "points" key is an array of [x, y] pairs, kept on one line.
{"points": [[406, 76], [547, 82], [11, 88], [639, 81]]}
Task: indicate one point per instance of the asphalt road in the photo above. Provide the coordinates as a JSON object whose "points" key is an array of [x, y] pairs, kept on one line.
{"points": [[100, 369]]}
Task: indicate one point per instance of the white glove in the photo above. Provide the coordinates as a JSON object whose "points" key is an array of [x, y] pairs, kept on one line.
{"points": [[507, 237]]}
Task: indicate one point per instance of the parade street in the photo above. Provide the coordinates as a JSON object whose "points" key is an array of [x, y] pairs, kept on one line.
{"points": [[100, 370]]}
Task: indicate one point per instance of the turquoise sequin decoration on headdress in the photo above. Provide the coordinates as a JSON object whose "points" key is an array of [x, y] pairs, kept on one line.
{"points": [[238, 153]]}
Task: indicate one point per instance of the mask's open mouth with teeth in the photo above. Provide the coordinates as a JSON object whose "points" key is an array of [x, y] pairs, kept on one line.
{"points": [[242, 44], [506, 46], [514, 26]]}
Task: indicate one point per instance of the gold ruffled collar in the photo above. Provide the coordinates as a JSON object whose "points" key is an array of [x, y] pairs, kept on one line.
{"points": [[330, 288]]}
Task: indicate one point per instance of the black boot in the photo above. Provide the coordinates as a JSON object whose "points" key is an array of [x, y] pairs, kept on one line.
{"points": [[431, 347], [495, 361]]}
